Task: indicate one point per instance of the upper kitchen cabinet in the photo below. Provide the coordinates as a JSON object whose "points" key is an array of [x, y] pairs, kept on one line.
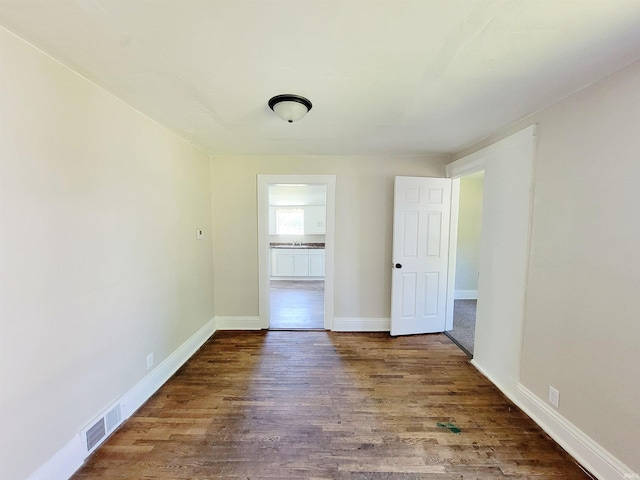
{"points": [[297, 209], [313, 223], [315, 219]]}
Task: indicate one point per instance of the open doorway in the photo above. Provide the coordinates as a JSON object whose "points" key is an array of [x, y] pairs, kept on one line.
{"points": [[296, 215], [467, 261], [297, 228]]}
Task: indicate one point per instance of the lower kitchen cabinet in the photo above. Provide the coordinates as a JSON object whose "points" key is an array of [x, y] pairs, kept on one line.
{"points": [[297, 262], [316, 263]]}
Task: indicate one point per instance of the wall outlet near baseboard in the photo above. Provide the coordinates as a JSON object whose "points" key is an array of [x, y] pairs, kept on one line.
{"points": [[199, 234], [554, 396], [149, 360]]}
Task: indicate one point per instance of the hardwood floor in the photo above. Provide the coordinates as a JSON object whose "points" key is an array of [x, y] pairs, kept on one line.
{"points": [[297, 304], [325, 405]]}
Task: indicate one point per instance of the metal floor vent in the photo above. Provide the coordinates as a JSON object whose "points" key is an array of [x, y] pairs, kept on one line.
{"points": [[95, 434], [113, 417], [98, 432]]}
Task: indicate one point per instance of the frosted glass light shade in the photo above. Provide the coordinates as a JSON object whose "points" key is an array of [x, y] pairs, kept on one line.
{"points": [[290, 108], [290, 111]]}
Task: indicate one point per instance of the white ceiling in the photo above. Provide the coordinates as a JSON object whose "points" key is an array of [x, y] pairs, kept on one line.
{"points": [[385, 77]]}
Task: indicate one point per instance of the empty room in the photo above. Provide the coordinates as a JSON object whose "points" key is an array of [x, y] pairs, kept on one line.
{"points": [[232, 237]]}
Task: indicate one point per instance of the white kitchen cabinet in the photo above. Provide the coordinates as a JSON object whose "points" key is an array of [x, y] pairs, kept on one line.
{"points": [[316, 263], [301, 264], [315, 219], [297, 262], [281, 263], [289, 262]]}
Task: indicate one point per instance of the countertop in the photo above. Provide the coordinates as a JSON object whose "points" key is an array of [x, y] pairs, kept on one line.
{"points": [[297, 245]]}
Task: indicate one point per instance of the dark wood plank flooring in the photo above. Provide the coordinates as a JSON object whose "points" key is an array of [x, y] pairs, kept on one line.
{"points": [[325, 405]]}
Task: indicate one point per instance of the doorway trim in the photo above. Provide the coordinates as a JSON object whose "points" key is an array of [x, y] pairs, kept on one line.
{"points": [[455, 171], [508, 166], [263, 182]]}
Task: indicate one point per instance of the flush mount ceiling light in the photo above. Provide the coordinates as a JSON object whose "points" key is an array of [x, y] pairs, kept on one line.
{"points": [[290, 108]]}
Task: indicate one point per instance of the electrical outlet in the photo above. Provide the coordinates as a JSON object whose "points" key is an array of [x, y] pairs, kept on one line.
{"points": [[149, 360], [199, 234], [554, 396]]}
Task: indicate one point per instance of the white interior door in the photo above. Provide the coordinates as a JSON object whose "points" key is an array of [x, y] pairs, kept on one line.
{"points": [[420, 255]]}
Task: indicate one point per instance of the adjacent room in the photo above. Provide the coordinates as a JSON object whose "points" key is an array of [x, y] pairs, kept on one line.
{"points": [[297, 227], [469, 232], [319, 239]]}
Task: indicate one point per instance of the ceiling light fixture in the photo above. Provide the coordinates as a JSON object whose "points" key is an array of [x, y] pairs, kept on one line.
{"points": [[290, 108]]}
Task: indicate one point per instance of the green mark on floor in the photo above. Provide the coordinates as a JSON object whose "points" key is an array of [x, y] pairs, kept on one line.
{"points": [[450, 426]]}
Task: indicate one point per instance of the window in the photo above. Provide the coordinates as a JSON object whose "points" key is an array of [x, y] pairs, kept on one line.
{"points": [[289, 221]]}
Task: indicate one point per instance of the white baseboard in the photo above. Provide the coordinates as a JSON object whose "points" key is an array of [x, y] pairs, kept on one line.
{"points": [[348, 324], [493, 380], [296, 279], [340, 324], [578, 444], [586, 451], [71, 457], [142, 391], [239, 323], [63, 464], [465, 295]]}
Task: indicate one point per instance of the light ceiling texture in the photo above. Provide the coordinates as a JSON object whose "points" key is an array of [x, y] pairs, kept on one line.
{"points": [[385, 77]]}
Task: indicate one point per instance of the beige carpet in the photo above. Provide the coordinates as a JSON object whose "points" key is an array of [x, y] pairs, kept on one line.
{"points": [[464, 324]]}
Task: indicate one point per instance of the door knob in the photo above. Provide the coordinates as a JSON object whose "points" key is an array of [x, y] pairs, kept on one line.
{"points": [[398, 265]]}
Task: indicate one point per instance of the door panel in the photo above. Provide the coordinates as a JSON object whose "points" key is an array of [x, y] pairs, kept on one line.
{"points": [[434, 234], [316, 263], [431, 287], [284, 265], [420, 255], [409, 284], [301, 264]]}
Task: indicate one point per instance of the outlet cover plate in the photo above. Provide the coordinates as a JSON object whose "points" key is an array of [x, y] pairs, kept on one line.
{"points": [[554, 396]]}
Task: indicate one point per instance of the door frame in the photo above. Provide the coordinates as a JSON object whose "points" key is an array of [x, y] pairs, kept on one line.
{"points": [[264, 258], [498, 354], [455, 171]]}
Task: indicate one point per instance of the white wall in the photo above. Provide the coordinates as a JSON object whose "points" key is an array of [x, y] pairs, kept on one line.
{"points": [[364, 210], [100, 266], [469, 229], [503, 254], [581, 325], [99, 261]]}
